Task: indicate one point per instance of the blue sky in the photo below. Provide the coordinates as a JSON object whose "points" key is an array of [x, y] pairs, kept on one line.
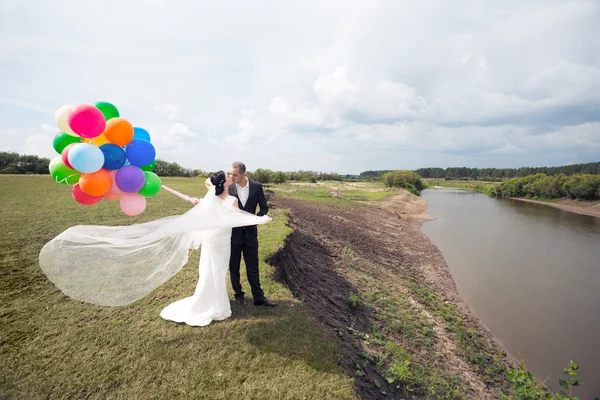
{"points": [[342, 86]]}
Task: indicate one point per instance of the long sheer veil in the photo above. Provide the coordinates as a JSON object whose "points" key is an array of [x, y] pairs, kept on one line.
{"points": [[117, 265]]}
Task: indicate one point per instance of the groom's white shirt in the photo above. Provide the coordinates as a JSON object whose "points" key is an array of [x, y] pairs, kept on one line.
{"points": [[243, 192]]}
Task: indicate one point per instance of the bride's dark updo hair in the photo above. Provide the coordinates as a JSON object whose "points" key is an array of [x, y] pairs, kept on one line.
{"points": [[218, 181]]}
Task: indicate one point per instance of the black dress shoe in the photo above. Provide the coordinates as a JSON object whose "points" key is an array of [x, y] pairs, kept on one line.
{"points": [[240, 301], [265, 302]]}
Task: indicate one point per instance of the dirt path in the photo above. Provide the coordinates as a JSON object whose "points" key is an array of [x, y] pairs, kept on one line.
{"points": [[591, 208], [384, 242]]}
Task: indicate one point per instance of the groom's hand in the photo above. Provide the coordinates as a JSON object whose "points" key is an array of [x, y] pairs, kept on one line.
{"points": [[208, 183]]}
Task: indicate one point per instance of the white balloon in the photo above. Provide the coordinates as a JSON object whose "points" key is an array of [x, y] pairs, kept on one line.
{"points": [[61, 120]]}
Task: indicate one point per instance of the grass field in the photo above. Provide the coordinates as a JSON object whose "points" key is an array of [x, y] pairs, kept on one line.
{"points": [[332, 191], [54, 347], [474, 186]]}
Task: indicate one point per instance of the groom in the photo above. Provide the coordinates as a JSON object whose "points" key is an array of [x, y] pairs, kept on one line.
{"points": [[244, 240]]}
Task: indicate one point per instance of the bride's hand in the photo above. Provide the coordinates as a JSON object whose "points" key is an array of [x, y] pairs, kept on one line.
{"points": [[208, 183]]}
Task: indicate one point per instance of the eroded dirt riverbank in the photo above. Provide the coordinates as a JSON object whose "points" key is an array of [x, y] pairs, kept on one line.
{"points": [[374, 280]]}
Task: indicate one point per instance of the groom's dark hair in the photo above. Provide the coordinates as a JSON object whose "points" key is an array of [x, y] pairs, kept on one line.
{"points": [[239, 165], [218, 180]]}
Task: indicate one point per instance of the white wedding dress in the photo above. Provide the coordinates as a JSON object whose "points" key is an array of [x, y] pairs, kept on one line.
{"points": [[117, 265], [210, 301]]}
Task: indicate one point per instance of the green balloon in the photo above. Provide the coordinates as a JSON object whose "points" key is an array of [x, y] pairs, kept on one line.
{"points": [[107, 109], [62, 140], [61, 173], [149, 167], [152, 185]]}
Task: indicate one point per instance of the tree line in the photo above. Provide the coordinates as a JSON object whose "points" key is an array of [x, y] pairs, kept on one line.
{"points": [[166, 168], [576, 186], [267, 176], [14, 163], [370, 175], [492, 174]]}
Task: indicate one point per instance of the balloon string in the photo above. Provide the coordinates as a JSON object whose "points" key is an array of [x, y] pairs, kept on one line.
{"points": [[65, 180], [178, 194]]}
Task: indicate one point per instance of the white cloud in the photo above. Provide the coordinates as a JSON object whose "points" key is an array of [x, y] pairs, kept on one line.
{"points": [[250, 129], [170, 135], [298, 117], [37, 141], [8, 6], [340, 86], [169, 111]]}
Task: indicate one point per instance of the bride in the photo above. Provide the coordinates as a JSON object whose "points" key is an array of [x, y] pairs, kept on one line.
{"points": [[210, 300], [117, 265]]}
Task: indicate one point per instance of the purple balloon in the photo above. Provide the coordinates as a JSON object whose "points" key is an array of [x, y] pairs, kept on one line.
{"points": [[130, 179]]}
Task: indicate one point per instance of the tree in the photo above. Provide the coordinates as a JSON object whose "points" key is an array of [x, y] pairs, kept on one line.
{"points": [[278, 177], [404, 179], [13, 163], [581, 186], [261, 175]]}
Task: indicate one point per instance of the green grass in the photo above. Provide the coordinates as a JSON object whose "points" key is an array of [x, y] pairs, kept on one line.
{"points": [[54, 347], [547, 199], [332, 191], [474, 186], [402, 343], [474, 346]]}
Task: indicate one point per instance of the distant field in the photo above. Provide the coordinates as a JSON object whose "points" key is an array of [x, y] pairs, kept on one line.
{"points": [[334, 191], [476, 186]]}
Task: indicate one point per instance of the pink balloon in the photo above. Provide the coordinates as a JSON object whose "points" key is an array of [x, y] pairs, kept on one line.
{"points": [[86, 121], [114, 189], [110, 196], [133, 205]]}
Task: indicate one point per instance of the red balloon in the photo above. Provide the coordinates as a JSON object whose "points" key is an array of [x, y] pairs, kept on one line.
{"points": [[82, 198], [65, 155]]}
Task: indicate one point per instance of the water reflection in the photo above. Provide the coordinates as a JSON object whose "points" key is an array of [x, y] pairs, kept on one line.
{"points": [[532, 274]]}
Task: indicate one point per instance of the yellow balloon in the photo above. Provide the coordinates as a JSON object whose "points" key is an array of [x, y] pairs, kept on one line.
{"points": [[98, 140]]}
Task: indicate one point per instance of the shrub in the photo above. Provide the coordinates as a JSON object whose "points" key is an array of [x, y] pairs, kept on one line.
{"points": [[404, 179]]}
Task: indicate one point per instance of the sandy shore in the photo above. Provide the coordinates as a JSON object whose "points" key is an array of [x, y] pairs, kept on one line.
{"points": [[583, 207]]}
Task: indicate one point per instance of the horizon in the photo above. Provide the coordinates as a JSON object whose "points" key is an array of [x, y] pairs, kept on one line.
{"points": [[316, 86], [375, 170]]}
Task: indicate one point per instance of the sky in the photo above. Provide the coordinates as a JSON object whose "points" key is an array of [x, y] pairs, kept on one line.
{"points": [[330, 86]]}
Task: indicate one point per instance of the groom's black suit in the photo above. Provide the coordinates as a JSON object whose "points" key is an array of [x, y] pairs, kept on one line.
{"points": [[245, 240]]}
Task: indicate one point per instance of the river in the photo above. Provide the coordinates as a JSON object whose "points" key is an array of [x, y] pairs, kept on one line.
{"points": [[532, 275]]}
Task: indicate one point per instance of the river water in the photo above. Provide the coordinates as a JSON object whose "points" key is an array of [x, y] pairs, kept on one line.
{"points": [[531, 273]]}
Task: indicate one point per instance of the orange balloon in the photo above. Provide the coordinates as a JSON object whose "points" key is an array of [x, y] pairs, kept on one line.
{"points": [[119, 131], [98, 140], [96, 184]]}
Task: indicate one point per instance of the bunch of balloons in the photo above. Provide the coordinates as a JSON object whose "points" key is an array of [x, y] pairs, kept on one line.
{"points": [[104, 157]]}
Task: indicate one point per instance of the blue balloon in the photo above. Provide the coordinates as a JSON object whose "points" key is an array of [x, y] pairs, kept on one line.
{"points": [[114, 156], [140, 134], [125, 150], [140, 152], [86, 158]]}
